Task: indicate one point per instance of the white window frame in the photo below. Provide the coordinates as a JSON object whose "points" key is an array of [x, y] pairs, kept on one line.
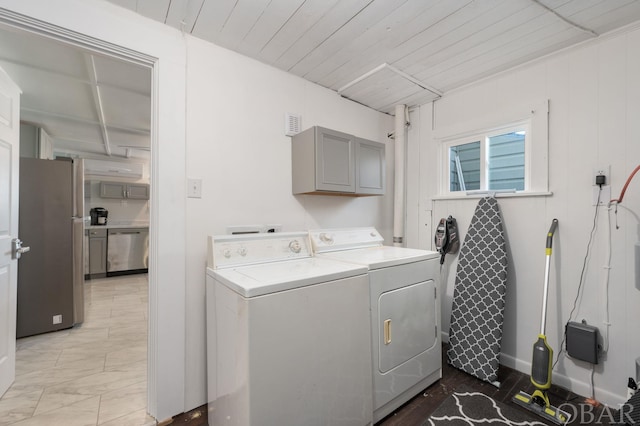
{"points": [[536, 166], [446, 160]]}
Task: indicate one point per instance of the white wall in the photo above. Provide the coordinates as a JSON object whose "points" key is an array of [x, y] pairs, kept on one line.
{"points": [[236, 145], [594, 94]]}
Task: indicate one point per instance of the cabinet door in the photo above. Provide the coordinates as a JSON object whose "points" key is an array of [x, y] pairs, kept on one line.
{"points": [[97, 255], [370, 167], [335, 161], [138, 191], [112, 189]]}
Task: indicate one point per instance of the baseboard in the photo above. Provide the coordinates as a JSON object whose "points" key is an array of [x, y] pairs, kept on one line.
{"points": [[574, 385]]}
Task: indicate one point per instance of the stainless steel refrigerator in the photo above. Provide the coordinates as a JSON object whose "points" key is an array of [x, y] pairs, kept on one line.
{"points": [[51, 274]]}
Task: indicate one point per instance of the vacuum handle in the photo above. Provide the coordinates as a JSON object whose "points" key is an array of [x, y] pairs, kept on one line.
{"points": [[545, 291], [552, 230]]}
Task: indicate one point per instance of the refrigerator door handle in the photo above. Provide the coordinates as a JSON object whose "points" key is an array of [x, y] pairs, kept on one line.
{"points": [[16, 248]]}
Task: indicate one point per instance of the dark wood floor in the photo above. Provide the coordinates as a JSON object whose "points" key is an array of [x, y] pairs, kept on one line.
{"points": [[511, 381], [417, 410]]}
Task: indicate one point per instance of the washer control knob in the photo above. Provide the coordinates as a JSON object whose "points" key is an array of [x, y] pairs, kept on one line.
{"points": [[326, 238], [226, 253], [373, 234], [242, 251], [294, 246]]}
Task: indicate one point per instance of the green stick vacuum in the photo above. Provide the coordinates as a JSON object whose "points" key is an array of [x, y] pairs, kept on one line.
{"points": [[542, 362]]}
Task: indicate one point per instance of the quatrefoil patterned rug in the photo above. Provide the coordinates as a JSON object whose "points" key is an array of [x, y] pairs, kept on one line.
{"points": [[467, 407]]}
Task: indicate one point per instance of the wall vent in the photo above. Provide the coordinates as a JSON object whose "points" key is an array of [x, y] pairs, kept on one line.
{"points": [[291, 124]]}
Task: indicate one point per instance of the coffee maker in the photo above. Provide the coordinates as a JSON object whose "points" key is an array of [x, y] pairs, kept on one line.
{"points": [[99, 216]]}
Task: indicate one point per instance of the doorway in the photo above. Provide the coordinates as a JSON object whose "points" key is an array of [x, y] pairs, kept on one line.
{"points": [[56, 362]]}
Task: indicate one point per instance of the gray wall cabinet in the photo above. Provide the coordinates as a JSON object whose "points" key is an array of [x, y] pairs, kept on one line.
{"points": [[370, 167], [326, 161], [121, 190]]}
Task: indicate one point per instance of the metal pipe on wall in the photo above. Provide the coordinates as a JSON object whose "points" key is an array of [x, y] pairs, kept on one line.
{"points": [[399, 176]]}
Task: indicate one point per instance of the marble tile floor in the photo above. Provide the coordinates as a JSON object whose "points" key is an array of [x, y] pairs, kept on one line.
{"points": [[92, 374]]}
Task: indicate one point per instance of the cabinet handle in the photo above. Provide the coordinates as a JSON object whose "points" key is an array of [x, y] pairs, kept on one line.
{"points": [[387, 331]]}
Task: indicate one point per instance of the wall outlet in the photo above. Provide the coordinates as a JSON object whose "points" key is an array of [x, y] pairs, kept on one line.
{"points": [[604, 195], [601, 195], [57, 319], [605, 171]]}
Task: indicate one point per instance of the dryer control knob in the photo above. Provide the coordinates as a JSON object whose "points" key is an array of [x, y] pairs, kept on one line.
{"points": [[326, 238], [242, 251], [294, 246], [226, 253]]}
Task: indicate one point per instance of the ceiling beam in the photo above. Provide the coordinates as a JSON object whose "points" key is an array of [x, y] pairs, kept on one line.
{"points": [[66, 117], [97, 100], [71, 76], [97, 143]]}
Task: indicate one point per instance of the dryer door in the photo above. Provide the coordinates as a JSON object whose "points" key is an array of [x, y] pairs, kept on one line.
{"points": [[406, 324]]}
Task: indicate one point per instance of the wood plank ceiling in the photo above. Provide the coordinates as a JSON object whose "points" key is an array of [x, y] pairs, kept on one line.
{"points": [[386, 52]]}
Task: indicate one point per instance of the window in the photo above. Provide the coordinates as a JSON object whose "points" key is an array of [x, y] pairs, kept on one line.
{"points": [[508, 151], [491, 160], [464, 166]]}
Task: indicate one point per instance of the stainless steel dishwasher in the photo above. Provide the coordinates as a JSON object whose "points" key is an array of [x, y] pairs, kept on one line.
{"points": [[127, 250]]}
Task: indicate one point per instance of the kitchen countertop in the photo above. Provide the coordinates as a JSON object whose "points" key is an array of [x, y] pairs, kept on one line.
{"points": [[119, 225]]}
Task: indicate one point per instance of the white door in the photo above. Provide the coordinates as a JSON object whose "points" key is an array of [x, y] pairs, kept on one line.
{"points": [[9, 154]]}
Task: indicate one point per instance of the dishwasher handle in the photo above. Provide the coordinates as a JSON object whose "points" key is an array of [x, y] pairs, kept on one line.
{"points": [[125, 232]]}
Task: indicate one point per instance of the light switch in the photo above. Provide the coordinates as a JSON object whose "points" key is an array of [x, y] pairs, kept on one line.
{"points": [[194, 188]]}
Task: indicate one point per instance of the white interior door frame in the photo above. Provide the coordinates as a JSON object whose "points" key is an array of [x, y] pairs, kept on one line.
{"points": [[9, 194], [16, 21]]}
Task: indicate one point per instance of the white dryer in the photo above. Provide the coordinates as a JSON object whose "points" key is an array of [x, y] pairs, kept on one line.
{"points": [[405, 312], [288, 335]]}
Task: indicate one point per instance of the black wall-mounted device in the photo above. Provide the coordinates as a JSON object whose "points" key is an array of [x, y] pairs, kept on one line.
{"points": [[582, 341]]}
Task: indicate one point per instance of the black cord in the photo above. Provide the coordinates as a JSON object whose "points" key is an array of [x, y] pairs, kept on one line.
{"points": [[584, 267]]}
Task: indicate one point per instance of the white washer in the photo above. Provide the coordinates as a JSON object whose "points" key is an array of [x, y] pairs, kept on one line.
{"points": [[288, 335], [405, 312]]}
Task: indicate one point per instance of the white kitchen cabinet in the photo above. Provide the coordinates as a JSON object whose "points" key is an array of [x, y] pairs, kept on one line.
{"points": [[122, 190], [326, 161]]}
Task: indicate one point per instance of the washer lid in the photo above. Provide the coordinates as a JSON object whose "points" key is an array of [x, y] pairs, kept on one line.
{"points": [[381, 257], [267, 278]]}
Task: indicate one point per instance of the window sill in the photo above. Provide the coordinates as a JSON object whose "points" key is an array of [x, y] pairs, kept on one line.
{"points": [[482, 194]]}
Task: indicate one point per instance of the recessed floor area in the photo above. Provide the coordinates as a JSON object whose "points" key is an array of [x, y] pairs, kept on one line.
{"points": [[92, 374]]}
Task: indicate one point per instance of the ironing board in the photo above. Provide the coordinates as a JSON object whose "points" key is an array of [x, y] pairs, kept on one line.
{"points": [[475, 332]]}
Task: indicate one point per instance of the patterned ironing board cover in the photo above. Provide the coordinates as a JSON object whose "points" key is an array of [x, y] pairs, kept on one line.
{"points": [[475, 333]]}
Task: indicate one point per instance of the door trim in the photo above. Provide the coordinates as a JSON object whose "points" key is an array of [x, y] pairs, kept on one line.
{"points": [[23, 23]]}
